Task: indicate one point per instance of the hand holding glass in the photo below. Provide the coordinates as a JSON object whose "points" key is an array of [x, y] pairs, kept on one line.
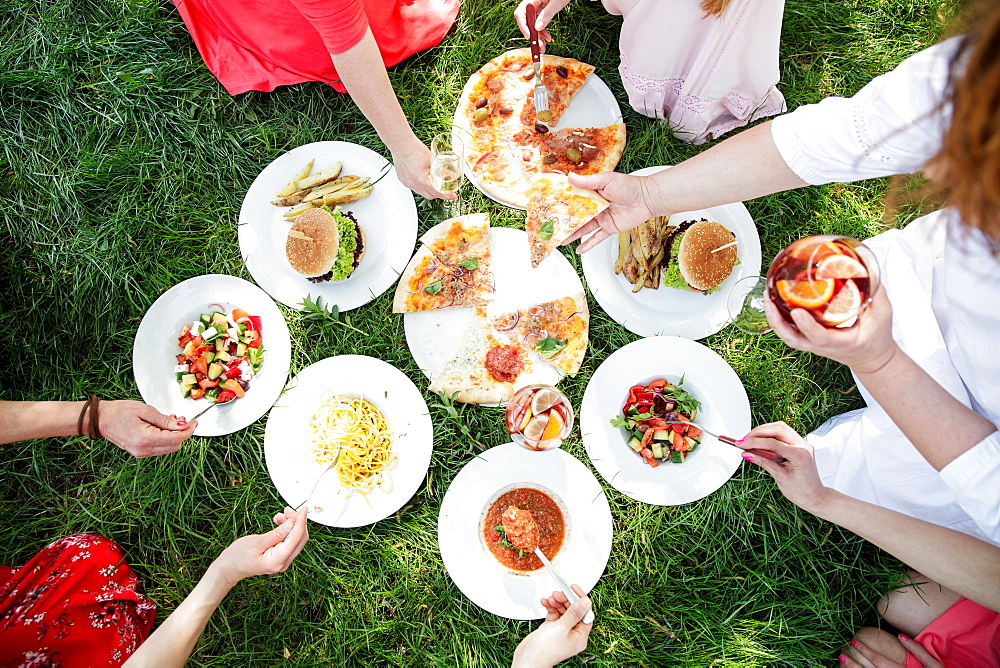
{"points": [[447, 154]]}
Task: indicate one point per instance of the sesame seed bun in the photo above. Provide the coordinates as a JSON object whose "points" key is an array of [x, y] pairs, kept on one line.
{"points": [[313, 243], [700, 267]]}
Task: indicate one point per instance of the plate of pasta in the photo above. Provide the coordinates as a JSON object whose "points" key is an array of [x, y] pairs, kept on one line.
{"points": [[351, 438]]}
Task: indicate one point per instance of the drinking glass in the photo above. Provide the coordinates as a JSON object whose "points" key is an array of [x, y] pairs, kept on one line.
{"points": [[539, 417], [832, 277], [447, 156]]}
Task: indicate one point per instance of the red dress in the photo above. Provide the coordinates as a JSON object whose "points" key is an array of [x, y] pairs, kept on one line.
{"points": [[76, 603], [262, 44]]}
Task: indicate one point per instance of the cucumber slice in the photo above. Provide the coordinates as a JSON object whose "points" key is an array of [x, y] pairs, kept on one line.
{"points": [[212, 392], [661, 435], [205, 318], [635, 444], [677, 457], [215, 370], [189, 379], [209, 356], [220, 344], [186, 390], [223, 356], [657, 448], [241, 349]]}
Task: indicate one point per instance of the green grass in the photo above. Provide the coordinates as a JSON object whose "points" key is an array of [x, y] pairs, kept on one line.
{"points": [[122, 167]]}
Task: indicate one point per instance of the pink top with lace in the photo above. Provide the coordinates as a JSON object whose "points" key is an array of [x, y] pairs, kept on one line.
{"points": [[704, 75]]}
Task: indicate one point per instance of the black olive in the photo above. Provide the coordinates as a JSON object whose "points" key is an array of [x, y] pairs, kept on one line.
{"points": [[549, 159], [562, 71], [481, 102], [541, 128]]}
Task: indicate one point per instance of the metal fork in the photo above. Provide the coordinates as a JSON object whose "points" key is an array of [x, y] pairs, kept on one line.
{"points": [[333, 463], [541, 93], [566, 589], [729, 440]]}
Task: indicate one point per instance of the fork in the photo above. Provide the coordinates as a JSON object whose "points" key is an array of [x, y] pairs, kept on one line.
{"points": [[333, 463], [541, 93], [566, 589], [729, 440]]}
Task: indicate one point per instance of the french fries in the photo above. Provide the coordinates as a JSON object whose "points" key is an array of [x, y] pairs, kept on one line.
{"points": [[641, 253], [325, 188]]}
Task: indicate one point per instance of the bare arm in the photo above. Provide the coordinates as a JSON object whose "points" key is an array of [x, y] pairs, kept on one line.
{"points": [[131, 425], [743, 167], [960, 562], [171, 643], [363, 73]]}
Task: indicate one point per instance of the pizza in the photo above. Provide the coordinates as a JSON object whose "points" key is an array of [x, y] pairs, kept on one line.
{"points": [[482, 369], [505, 142], [557, 209], [556, 330], [450, 270]]}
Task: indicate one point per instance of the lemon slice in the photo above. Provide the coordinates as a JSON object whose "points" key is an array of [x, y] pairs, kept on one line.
{"points": [[840, 266], [543, 400], [536, 427], [844, 306]]}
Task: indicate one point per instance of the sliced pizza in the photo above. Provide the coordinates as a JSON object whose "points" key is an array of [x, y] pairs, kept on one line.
{"points": [[562, 78], [482, 369], [557, 209], [581, 150], [451, 270], [556, 330]]}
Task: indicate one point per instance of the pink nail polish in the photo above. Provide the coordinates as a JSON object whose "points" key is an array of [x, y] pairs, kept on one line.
{"points": [[903, 636], [742, 439], [747, 457], [843, 659], [182, 423], [854, 643]]}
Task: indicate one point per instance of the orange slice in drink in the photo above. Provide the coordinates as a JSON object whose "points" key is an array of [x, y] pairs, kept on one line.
{"points": [[805, 294], [555, 426], [844, 306], [840, 266]]}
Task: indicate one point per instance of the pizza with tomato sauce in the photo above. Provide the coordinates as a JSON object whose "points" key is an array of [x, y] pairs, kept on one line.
{"points": [[557, 209], [555, 330], [483, 368], [506, 143], [450, 270]]}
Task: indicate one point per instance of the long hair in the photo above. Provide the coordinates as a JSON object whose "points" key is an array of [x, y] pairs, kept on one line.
{"points": [[714, 7], [968, 165]]}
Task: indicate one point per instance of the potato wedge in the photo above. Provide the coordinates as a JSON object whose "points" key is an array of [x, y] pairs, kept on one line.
{"points": [[296, 210], [291, 187], [291, 200], [347, 196], [337, 185], [328, 174]]}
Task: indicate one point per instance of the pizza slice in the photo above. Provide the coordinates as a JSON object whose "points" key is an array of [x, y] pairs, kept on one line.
{"points": [[581, 150], [562, 78], [481, 369], [463, 241], [557, 209], [555, 330]]}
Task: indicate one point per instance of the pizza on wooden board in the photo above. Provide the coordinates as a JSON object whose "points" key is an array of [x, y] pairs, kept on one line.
{"points": [[450, 270], [557, 209], [555, 330], [505, 142], [482, 369]]}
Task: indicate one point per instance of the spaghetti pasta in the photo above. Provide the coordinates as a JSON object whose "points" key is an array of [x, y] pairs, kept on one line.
{"points": [[359, 431]]}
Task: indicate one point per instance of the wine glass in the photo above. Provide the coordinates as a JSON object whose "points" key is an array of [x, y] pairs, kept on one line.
{"points": [[539, 417], [447, 156], [832, 277]]}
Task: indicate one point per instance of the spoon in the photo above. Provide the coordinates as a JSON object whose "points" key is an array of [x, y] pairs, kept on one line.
{"points": [[729, 440], [566, 589]]}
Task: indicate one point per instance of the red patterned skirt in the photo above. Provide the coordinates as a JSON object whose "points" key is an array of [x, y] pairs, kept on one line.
{"points": [[76, 603]]}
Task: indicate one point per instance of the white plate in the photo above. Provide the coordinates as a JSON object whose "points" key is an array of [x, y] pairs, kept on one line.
{"points": [[725, 410], [288, 450], [432, 335], [388, 217], [487, 583], [155, 347], [593, 106], [667, 310]]}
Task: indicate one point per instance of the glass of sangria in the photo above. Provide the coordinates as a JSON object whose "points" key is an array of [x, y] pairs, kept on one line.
{"points": [[832, 277], [539, 417]]}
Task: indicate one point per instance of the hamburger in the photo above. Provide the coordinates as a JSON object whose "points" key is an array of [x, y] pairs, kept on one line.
{"points": [[325, 245], [690, 261]]}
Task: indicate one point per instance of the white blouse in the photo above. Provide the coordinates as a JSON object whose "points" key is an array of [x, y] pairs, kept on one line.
{"points": [[944, 285]]}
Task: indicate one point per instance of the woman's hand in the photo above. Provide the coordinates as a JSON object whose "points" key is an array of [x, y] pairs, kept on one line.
{"points": [[881, 661], [142, 430], [797, 477], [865, 347], [630, 206], [562, 635], [266, 553], [413, 167], [546, 9]]}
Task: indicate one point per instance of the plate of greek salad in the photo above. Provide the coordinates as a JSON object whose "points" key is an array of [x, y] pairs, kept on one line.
{"points": [[636, 418], [212, 339]]}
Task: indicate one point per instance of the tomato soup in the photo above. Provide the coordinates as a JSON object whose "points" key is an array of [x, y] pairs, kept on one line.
{"points": [[548, 517]]}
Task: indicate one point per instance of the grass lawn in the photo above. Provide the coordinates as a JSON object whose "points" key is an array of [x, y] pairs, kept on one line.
{"points": [[123, 164]]}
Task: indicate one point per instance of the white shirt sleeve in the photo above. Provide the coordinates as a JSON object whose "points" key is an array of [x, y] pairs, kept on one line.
{"points": [[894, 125], [974, 477]]}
